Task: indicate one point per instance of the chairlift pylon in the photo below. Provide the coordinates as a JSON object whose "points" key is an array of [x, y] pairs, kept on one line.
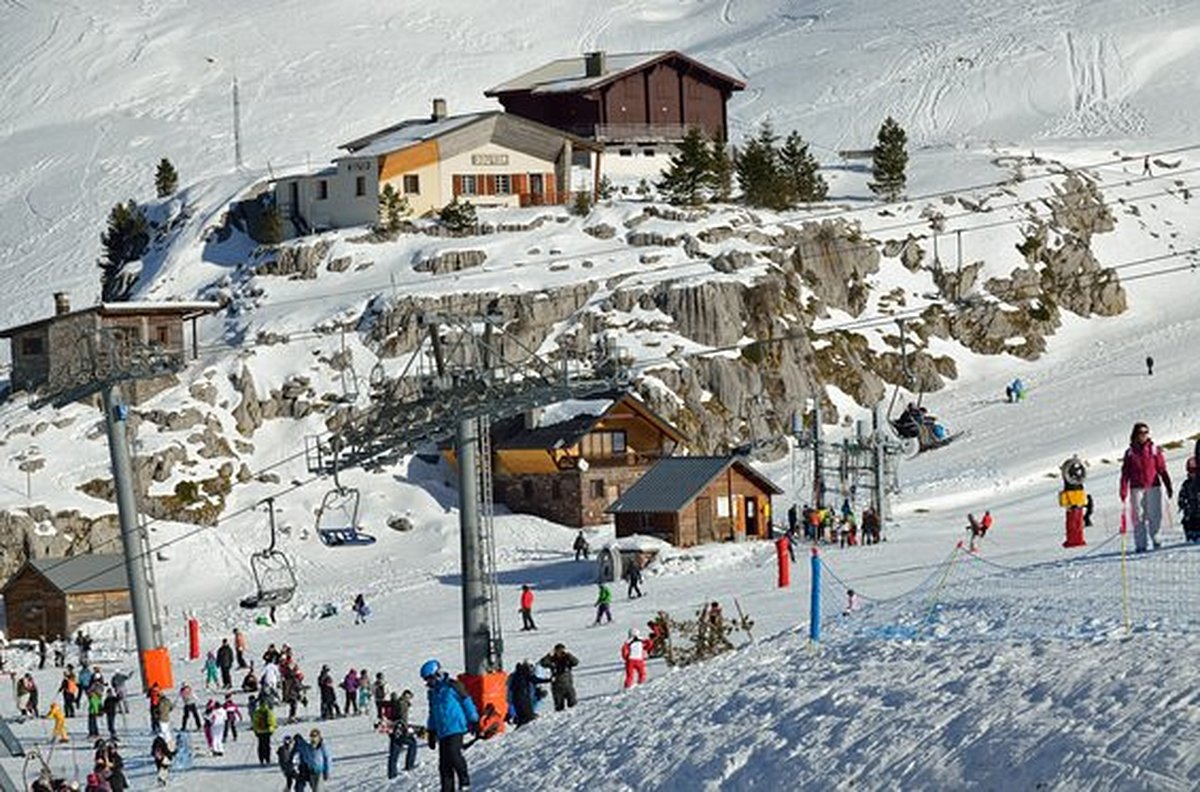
{"points": [[274, 575]]}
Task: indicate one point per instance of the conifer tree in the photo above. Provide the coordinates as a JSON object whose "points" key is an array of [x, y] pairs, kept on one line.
{"points": [[166, 179], [690, 177], [392, 207], [758, 171], [125, 240], [458, 215], [889, 161], [722, 165], [799, 171]]}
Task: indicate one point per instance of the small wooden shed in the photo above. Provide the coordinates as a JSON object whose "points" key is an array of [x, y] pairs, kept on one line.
{"points": [[53, 596], [695, 500]]}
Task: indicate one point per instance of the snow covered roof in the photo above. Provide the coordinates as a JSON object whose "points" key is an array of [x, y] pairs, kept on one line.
{"points": [[185, 310], [675, 481], [83, 573], [563, 424], [567, 75], [410, 132]]}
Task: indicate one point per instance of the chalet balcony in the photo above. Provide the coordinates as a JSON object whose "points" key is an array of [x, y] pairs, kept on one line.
{"points": [[639, 133], [626, 460]]}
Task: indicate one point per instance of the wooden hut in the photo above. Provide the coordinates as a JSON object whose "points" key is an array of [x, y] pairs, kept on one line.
{"points": [[53, 596]]}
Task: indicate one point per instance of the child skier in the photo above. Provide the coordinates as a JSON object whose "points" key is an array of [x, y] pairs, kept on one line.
{"points": [[1189, 502], [603, 604]]}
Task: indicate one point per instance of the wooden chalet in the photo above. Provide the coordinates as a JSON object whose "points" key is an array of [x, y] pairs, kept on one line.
{"points": [[697, 500], [569, 461], [53, 596], [623, 97]]}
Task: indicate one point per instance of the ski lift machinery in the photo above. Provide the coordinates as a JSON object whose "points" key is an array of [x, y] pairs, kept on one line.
{"points": [[274, 575], [346, 500]]}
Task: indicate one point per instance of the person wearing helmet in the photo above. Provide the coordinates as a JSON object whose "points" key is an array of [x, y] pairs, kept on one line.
{"points": [[634, 652], [452, 714], [1189, 501]]}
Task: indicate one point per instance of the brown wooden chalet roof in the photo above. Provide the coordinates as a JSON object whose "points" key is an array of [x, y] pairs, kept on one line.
{"points": [[674, 482], [184, 310], [511, 434], [569, 75]]}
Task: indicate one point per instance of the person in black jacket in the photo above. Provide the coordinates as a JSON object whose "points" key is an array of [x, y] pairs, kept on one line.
{"points": [[562, 682], [225, 663]]}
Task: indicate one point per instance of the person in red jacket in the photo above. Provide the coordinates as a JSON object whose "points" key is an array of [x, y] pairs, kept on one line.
{"points": [[634, 652], [1143, 475], [527, 608]]}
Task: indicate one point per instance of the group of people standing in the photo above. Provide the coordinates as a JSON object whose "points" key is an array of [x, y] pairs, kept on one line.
{"points": [[1144, 479]]}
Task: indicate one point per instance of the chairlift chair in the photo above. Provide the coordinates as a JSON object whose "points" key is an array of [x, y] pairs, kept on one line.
{"points": [[274, 575], [914, 433], [345, 533]]}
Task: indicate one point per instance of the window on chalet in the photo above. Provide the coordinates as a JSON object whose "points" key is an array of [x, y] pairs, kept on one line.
{"points": [[360, 186], [322, 190], [603, 444], [32, 345], [162, 335], [412, 184], [625, 152], [469, 187], [597, 488], [648, 152], [503, 184]]}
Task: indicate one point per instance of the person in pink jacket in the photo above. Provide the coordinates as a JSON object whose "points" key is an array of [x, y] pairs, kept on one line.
{"points": [[1143, 475]]}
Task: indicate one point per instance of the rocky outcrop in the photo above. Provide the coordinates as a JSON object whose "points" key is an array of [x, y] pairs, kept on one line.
{"points": [[834, 260], [37, 532], [441, 262], [296, 261]]}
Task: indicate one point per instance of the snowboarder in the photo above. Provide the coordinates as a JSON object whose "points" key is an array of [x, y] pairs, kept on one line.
{"points": [[633, 652], [314, 762], [526, 608], [603, 604], [452, 714], [562, 680], [581, 546], [1143, 475], [1189, 502], [401, 736], [633, 576], [1149, 366], [361, 611], [263, 723]]}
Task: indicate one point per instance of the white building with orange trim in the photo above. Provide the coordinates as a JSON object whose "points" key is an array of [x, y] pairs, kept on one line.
{"points": [[490, 159]]}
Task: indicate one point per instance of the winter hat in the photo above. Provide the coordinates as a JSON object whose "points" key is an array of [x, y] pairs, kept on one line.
{"points": [[633, 635]]}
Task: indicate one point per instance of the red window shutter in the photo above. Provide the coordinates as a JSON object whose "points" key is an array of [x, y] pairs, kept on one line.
{"points": [[456, 185], [551, 184], [520, 182], [490, 185]]}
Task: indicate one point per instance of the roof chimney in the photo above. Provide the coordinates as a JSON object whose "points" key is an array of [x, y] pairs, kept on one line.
{"points": [[439, 109], [62, 303], [593, 63]]}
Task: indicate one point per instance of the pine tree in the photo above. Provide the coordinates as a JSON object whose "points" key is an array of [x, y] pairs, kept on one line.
{"points": [[758, 171], [582, 205], [799, 170], [458, 215], [125, 240], [722, 165], [392, 207], [166, 179], [889, 161], [690, 177]]}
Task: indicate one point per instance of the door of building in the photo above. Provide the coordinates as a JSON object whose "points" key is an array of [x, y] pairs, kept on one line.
{"points": [[704, 520], [751, 512]]}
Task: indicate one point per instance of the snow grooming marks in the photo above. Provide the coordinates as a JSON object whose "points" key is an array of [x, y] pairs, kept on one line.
{"points": [[1098, 88]]}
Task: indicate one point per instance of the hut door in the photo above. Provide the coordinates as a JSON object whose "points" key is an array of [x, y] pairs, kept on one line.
{"points": [[751, 512], [704, 520]]}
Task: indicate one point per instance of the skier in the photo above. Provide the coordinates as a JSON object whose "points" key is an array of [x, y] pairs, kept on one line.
{"points": [[379, 691], [111, 706], [233, 714], [401, 736], [210, 671], [1146, 166], [1149, 366], [350, 688], [562, 680], [633, 652], [633, 576], [364, 692], [314, 762], [187, 697], [526, 608], [214, 723], [95, 705], [69, 688], [225, 663], [263, 724], [329, 707], [603, 604], [581, 546], [452, 714], [1143, 473], [1189, 502]]}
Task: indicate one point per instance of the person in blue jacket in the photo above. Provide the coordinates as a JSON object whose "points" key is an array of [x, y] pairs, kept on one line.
{"points": [[452, 714], [314, 760]]}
